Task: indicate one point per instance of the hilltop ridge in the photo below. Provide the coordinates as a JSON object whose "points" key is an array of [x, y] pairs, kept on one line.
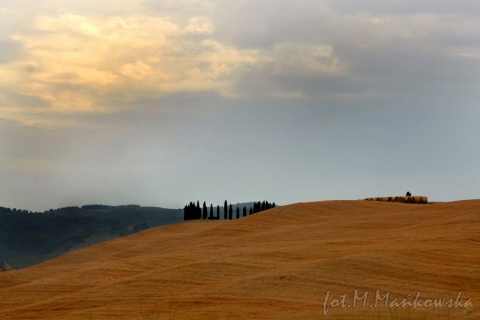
{"points": [[278, 264]]}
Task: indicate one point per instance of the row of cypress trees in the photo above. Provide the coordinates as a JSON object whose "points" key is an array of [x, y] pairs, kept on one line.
{"points": [[193, 211]]}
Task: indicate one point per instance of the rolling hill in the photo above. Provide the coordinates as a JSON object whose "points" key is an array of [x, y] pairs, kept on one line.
{"points": [[322, 260], [28, 238]]}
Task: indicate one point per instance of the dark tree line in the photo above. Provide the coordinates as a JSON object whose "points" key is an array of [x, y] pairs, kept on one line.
{"points": [[262, 206], [193, 211]]}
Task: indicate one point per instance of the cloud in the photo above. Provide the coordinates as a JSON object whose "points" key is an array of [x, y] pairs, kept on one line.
{"points": [[177, 7], [407, 7], [74, 64], [305, 59], [69, 62]]}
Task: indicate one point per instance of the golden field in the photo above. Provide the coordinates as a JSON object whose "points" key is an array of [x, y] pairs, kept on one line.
{"points": [[278, 264]]}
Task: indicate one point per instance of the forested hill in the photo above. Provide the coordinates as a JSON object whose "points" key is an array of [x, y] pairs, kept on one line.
{"points": [[28, 238]]}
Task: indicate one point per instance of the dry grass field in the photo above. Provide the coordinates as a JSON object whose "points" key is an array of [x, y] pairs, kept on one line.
{"points": [[278, 264]]}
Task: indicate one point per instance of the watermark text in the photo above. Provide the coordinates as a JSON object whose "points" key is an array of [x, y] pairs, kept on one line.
{"points": [[378, 299]]}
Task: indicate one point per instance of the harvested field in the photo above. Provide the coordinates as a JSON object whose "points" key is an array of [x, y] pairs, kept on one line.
{"points": [[279, 264]]}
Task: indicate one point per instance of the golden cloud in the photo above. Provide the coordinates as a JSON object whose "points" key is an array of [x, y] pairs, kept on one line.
{"points": [[71, 63]]}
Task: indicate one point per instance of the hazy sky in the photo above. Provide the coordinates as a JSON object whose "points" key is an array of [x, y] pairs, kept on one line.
{"points": [[160, 102]]}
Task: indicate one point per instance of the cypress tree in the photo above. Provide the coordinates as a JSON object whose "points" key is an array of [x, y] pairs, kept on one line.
{"points": [[205, 210], [198, 211], [218, 212], [238, 213], [251, 211], [256, 207], [191, 212], [188, 212], [230, 212], [225, 210], [211, 211], [244, 211]]}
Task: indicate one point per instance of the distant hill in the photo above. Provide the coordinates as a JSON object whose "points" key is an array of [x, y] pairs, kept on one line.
{"points": [[28, 238]]}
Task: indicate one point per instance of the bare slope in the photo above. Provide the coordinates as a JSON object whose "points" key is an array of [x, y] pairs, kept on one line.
{"points": [[278, 264]]}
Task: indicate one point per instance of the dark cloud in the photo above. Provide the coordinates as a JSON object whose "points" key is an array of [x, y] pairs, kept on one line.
{"points": [[408, 7]]}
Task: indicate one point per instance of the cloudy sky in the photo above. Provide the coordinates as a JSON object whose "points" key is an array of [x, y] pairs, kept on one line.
{"points": [[160, 102]]}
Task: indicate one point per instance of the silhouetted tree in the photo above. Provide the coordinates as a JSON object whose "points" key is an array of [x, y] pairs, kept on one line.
{"points": [[191, 212], [225, 210], [199, 210], [257, 207], [261, 206], [205, 210], [194, 211]]}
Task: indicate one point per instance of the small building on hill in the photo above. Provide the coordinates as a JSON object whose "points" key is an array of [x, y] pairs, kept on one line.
{"points": [[402, 199]]}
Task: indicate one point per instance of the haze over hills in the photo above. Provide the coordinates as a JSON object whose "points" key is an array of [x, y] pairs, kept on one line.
{"points": [[27, 238], [283, 263]]}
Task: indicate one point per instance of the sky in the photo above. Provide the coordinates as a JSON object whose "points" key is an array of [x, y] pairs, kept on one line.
{"points": [[163, 102]]}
